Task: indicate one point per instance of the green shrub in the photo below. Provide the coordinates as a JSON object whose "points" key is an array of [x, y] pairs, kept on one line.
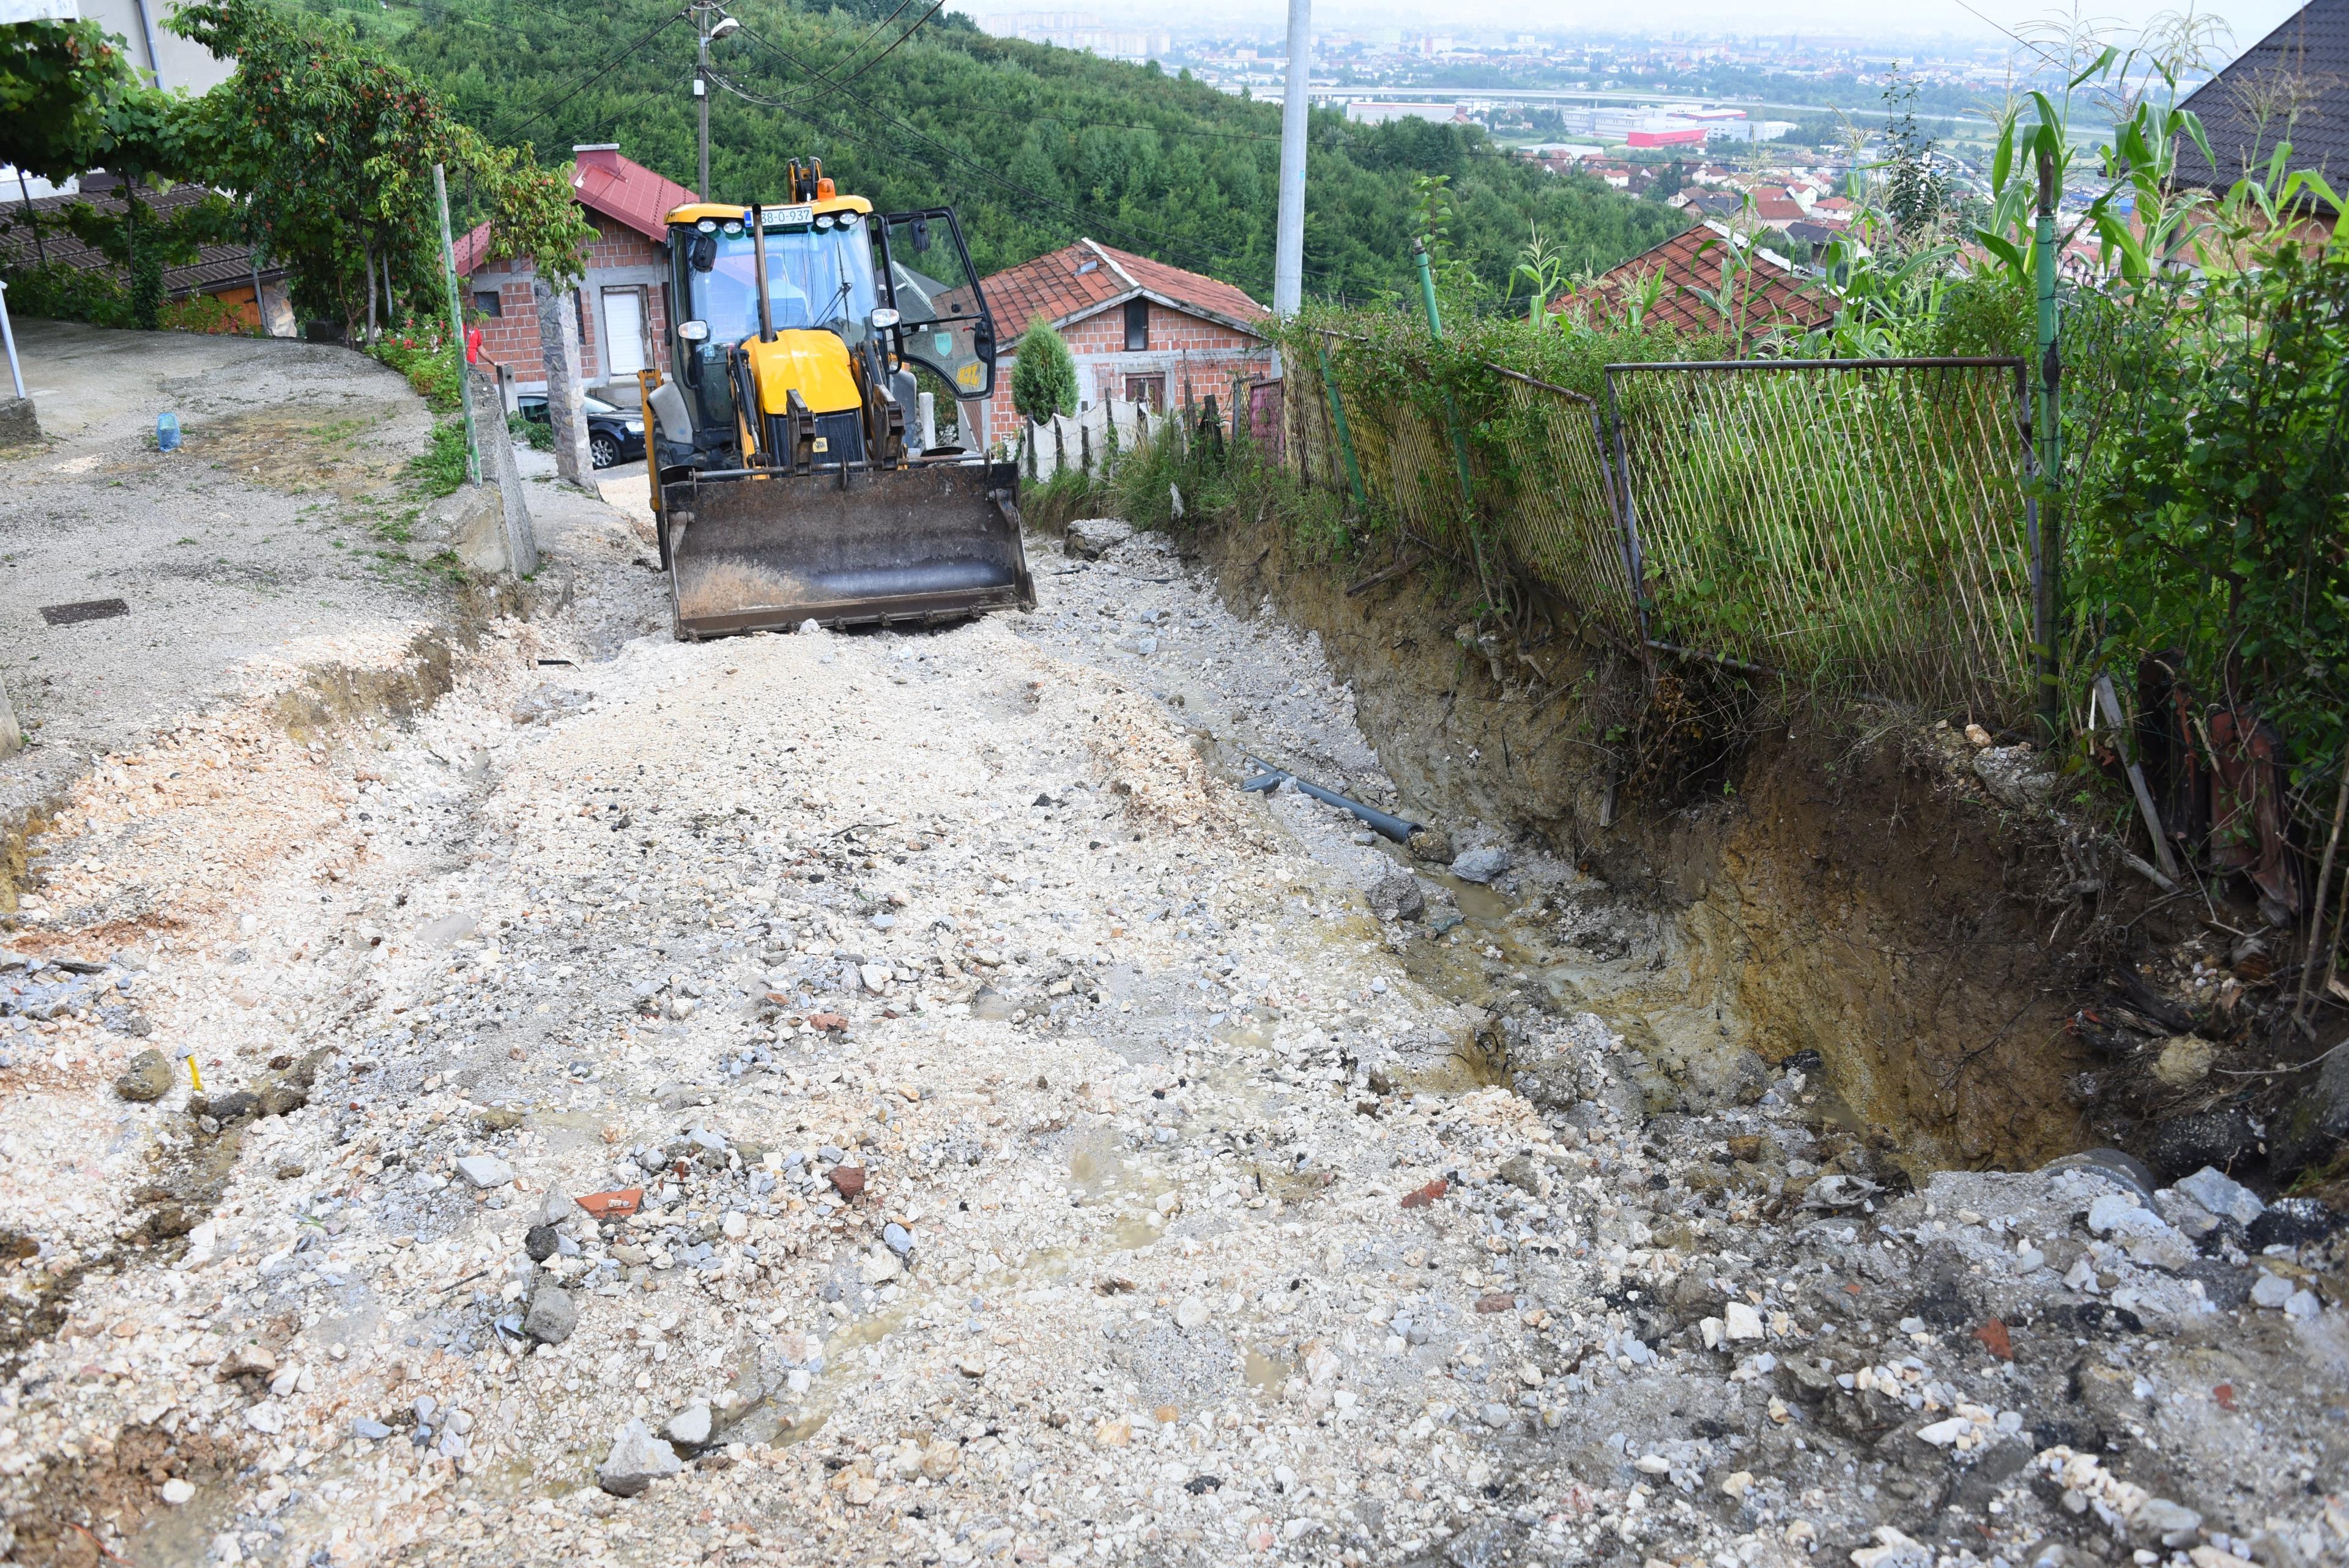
{"points": [[1044, 380], [423, 353], [62, 293], [440, 468]]}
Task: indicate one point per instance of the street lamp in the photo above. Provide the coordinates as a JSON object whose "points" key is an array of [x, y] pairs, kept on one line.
{"points": [[707, 31]]}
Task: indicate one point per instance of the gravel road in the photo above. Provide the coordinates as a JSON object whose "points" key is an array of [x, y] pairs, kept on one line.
{"points": [[892, 1099]]}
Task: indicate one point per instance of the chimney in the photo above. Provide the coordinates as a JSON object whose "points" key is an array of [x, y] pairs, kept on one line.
{"points": [[598, 155]]}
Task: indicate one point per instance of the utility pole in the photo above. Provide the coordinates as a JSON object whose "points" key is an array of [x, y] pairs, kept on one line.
{"points": [[702, 89], [1289, 239], [705, 30]]}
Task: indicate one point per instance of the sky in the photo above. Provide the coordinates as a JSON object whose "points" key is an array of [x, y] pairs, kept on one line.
{"points": [[2246, 20]]}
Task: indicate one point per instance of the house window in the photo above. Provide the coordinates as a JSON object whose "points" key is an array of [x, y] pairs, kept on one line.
{"points": [[1137, 324], [1150, 390], [627, 345], [486, 302]]}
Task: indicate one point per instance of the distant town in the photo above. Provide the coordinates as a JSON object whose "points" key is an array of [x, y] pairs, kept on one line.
{"points": [[1772, 133]]}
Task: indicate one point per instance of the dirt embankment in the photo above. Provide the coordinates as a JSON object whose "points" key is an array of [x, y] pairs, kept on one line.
{"points": [[1844, 888]]}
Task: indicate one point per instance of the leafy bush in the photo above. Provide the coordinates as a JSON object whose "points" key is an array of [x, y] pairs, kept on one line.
{"points": [[535, 434], [423, 353], [63, 293], [203, 313]]}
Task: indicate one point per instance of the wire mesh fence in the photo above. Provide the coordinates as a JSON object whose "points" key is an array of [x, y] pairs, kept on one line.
{"points": [[1854, 523], [1859, 523]]}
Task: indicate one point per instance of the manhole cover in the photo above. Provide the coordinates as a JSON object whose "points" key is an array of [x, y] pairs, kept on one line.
{"points": [[87, 609]]}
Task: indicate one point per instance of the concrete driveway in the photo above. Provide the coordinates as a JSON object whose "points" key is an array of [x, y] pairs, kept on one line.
{"points": [[279, 517]]}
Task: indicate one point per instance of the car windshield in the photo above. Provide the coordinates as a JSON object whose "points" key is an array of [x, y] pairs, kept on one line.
{"points": [[815, 277], [598, 405]]}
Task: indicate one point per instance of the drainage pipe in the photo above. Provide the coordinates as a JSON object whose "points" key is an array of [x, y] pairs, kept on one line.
{"points": [[1268, 777]]}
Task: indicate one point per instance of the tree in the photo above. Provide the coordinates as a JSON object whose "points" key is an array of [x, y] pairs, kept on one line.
{"points": [[56, 80], [1917, 196], [1044, 379], [330, 150], [69, 102]]}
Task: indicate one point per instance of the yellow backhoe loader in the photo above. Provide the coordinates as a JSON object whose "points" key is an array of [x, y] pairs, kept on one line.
{"points": [[784, 486]]}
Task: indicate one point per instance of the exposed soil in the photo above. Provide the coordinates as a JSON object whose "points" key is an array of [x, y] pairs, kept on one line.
{"points": [[1821, 887]]}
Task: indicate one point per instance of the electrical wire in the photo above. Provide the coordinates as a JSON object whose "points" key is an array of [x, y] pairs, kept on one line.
{"points": [[605, 69], [892, 49], [875, 32]]}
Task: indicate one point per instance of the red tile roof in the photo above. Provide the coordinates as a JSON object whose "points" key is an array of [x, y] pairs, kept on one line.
{"points": [[1084, 278], [1777, 297], [604, 182]]}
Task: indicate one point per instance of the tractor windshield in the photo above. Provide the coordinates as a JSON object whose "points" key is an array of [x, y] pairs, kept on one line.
{"points": [[815, 277]]}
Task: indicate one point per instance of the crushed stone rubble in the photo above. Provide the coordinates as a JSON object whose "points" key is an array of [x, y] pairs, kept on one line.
{"points": [[891, 1098]]}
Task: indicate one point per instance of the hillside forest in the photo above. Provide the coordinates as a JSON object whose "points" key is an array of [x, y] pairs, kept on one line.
{"points": [[1035, 146]]}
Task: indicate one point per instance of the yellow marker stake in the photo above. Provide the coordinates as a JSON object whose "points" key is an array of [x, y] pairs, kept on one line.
{"points": [[194, 1077]]}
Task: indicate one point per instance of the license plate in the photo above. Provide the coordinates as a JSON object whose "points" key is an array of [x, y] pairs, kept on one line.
{"points": [[787, 217], [823, 443]]}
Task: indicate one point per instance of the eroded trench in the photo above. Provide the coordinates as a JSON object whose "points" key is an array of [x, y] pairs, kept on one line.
{"points": [[1747, 888]]}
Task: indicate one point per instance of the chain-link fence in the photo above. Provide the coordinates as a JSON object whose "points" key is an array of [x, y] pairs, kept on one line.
{"points": [[1859, 524]]}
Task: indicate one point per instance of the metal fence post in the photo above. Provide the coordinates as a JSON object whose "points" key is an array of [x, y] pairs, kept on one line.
{"points": [[2047, 597]]}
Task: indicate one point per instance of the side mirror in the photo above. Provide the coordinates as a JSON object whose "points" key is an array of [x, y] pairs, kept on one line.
{"points": [[885, 318], [920, 231], [701, 250]]}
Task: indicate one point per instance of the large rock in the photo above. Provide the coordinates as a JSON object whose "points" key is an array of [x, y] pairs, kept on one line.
{"points": [[1397, 895], [1093, 537], [2015, 776], [1481, 865], [1432, 844], [148, 1077], [553, 1314], [637, 1461], [19, 424]]}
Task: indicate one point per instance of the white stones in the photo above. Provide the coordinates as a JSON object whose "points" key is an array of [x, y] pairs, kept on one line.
{"points": [[2120, 1214], [1942, 1434], [1191, 1313], [1652, 1465], [2223, 1197], [875, 976], [689, 1426], [268, 1417], [1740, 1322], [2271, 1291], [484, 1170], [734, 1225], [637, 1461], [178, 1490]]}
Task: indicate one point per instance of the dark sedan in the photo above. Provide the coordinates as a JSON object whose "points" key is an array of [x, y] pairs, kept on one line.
{"points": [[614, 434]]}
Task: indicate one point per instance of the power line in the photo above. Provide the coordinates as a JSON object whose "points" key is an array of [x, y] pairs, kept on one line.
{"points": [[876, 28], [605, 69], [892, 49]]}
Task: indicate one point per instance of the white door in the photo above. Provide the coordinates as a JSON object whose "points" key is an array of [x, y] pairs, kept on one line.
{"points": [[624, 332]]}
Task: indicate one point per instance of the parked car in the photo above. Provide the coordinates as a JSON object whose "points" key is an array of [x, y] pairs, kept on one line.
{"points": [[614, 434]]}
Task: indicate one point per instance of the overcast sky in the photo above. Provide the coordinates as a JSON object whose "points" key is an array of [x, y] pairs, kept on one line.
{"points": [[2247, 20]]}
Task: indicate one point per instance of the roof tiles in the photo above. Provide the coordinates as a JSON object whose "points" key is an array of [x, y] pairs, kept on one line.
{"points": [[1078, 280]]}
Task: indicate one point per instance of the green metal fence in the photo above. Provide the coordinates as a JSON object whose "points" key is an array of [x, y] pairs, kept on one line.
{"points": [[1856, 524]]}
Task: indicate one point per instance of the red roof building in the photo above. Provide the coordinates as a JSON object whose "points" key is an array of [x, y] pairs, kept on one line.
{"points": [[624, 300], [1140, 330], [1772, 295]]}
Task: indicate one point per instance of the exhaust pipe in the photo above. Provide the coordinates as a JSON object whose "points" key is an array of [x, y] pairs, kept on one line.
{"points": [[759, 262]]}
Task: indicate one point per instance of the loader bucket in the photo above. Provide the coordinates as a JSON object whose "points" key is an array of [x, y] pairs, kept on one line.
{"points": [[926, 542]]}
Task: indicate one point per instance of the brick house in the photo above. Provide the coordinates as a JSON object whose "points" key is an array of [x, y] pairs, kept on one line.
{"points": [[1139, 330], [623, 302]]}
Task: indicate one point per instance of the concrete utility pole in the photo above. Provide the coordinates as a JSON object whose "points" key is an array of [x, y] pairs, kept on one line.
{"points": [[1289, 246], [705, 30]]}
